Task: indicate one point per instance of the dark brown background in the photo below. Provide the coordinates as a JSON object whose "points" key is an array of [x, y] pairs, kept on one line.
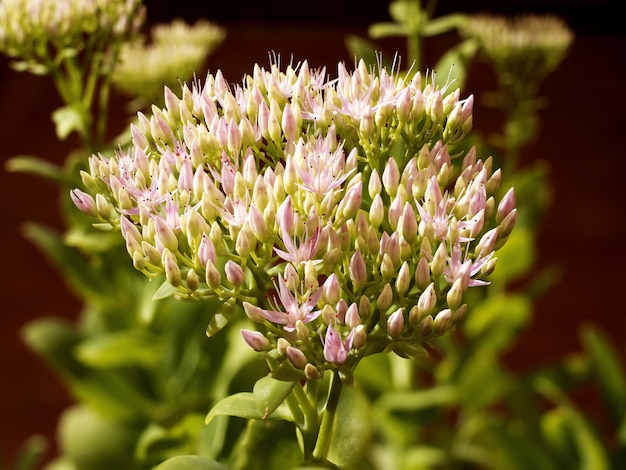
{"points": [[582, 138]]}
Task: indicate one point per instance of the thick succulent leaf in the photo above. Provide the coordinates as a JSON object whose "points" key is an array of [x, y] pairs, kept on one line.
{"points": [[352, 430], [136, 347], [270, 394], [35, 166], [245, 405]]}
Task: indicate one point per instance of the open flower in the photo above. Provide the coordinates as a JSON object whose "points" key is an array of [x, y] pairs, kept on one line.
{"points": [[294, 309]]}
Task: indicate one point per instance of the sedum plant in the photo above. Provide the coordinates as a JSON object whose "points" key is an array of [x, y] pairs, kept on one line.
{"points": [[341, 216]]}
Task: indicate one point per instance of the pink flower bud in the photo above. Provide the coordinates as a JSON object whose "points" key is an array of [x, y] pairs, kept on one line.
{"points": [[234, 273], [256, 340], [165, 235], [296, 357], [507, 204], [358, 270], [427, 300], [84, 202], [352, 318], [332, 289], [395, 323], [391, 177]]}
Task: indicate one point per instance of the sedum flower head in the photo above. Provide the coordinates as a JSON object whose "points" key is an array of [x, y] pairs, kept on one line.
{"points": [[524, 46], [175, 53], [38, 31], [342, 214]]}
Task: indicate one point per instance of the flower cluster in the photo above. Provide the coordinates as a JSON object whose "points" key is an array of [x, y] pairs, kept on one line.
{"points": [[176, 51], [342, 214], [37, 31], [526, 46]]}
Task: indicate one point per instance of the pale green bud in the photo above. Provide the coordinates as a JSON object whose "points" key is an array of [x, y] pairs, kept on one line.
{"points": [[192, 280], [442, 321], [359, 338], [282, 345], [387, 269], [374, 186], [403, 279], [377, 211], [455, 294], [311, 372], [364, 307], [213, 277], [172, 271], [438, 263], [383, 302]]}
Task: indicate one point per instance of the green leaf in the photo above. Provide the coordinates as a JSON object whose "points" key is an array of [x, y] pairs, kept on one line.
{"points": [[245, 405], [381, 30], [352, 430], [266, 445], [270, 393], [592, 453], [164, 291], [68, 119], [443, 24], [417, 400], [35, 166], [555, 433], [608, 369], [190, 462], [122, 348]]}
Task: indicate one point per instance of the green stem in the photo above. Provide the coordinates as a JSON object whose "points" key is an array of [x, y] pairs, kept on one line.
{"points": [[320, 453]]}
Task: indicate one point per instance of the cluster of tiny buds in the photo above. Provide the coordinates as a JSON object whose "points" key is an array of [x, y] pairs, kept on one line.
{"points": [[37, 31], [332, 211]]}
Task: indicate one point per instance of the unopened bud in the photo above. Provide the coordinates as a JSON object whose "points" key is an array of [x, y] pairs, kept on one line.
{"points": [[455, 294], [422, 274], [359, 337], [442, 321], [282, 345], [358, 270], [395, 323], [427, 300], [212, 276], [403, 279], [192, 280], [256, 340], [296, 357], [172, 271], [234, 273], [383, 302], [352, 318], [311, 372], [438, 264]]}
